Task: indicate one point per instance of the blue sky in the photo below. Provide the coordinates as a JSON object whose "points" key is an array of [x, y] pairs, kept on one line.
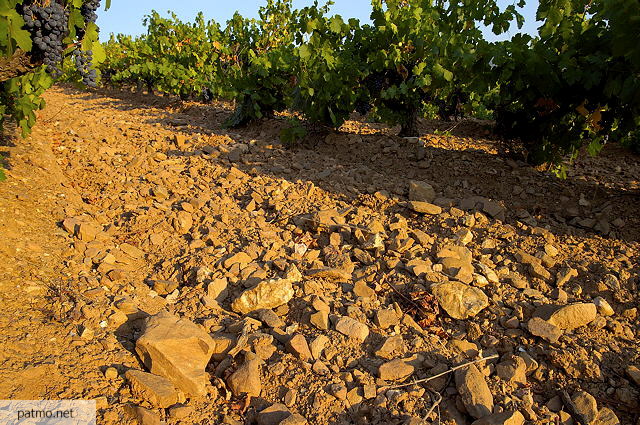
{"points": [[126, 16]]}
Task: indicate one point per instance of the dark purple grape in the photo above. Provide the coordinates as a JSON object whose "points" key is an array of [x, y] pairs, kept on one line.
{"points": [[48, 27]]}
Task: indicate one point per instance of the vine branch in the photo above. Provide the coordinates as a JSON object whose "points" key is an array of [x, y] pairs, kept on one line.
{"points": [[18, 64]]}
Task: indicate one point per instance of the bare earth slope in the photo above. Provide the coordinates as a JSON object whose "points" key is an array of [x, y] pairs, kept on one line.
{"points": [[121, 206]]}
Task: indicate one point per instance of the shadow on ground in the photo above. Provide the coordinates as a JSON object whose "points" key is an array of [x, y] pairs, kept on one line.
{"points": [[463, 164]]}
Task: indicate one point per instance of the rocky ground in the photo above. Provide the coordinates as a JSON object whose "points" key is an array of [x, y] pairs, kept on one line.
{"points": [[178, 272]]}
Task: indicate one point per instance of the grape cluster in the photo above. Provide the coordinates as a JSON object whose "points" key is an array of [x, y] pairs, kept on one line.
{"points": [[88, 10], [207, 95], [363, 107], [83, 61], [48, 27], [375, 83]]}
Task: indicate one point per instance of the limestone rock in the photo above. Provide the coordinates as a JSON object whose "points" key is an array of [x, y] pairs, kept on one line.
{"points": [[352, 328], [385, 318], [246, 379], [180, 412], [326, 219], [222, 343], [544, 330], [474, 391], [270, 318], [279, 414], [143, 416], [585, 405], [295, 419], [320, 319], [273, 415], [298, 347], [361, 289], [606, 417], [573, 316], [177, 349], [460, 301], [217, 289], [494, 209], [395, 370], [425, 208], [339, 391], [464, 236], [164, 287], [317, 345], [241, 258], [88, 231], [268, 294], [603, 307], [565, 275], [421, 191], [183, 222], [538, 270], [392, 345], [157, 390], [513, 370], [634, 374], [456, 262]]}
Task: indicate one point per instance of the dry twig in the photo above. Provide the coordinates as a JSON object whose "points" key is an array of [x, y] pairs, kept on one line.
{"points": [[453, 369], [435, 404]]}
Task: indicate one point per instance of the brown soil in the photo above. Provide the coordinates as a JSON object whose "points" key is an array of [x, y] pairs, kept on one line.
{"points": [[129, 163]]}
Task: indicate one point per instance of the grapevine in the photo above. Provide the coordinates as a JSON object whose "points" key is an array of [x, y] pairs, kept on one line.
{"points": [[574, 85], [36, 37]]}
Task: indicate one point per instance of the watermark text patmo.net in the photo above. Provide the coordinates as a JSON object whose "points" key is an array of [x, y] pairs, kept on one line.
{"points": [[45, 414]]}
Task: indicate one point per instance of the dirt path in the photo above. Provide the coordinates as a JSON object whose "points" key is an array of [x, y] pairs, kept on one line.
{"points": [[120, 206]]}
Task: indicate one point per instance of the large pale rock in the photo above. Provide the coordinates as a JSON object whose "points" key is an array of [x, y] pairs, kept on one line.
{"points": [[157, 390], [474, 391], [352, 328], [460, 301], [456, 262], [585, 406], [421, 192], [177, 349], [395, 370], [268, 294], [425, 208], [504, 418], [573, 316], [246, 379]]}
